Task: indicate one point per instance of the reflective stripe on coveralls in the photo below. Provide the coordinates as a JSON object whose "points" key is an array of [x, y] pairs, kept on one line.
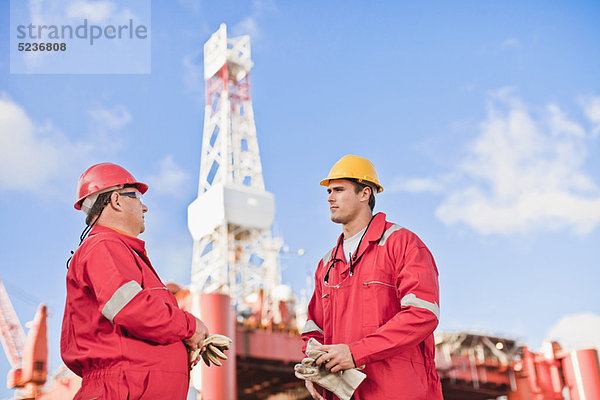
{"points": [[388, 232], [412, 300], [119, 299], [311, 326], [327, 257]]}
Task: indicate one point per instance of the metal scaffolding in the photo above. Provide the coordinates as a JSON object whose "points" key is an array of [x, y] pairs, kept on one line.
{"points": [[230, 221]]}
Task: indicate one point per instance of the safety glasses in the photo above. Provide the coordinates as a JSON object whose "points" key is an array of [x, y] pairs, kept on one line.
{"points": [[133, 195]]}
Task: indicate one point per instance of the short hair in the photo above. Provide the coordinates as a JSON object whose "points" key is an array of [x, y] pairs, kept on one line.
{"points": [[358, 186], [101, 202]]}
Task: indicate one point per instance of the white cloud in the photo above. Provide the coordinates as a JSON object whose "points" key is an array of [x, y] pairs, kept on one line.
{"points": [[21, 140], [36, 12], [577, 331], [559, 124], [97, 12], [38, 158], [524, 171], [60, 12], [65, 12], [416, 185], [591, 109], [247, 26], [112, 119], [32, 155], [250, 24], [171, 179], [34, 59]]}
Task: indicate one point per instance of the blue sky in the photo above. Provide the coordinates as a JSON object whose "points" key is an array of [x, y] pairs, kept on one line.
{"points": [[482, 119]]}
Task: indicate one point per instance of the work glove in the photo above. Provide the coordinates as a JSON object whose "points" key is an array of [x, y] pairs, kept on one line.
{"points": [[341, 383], [215, 350]]}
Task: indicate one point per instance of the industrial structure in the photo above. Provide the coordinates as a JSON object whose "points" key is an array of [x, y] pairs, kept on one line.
{"points": [[235, 265], [27, 354], [230, 221], [480, 367], [236, 286]]}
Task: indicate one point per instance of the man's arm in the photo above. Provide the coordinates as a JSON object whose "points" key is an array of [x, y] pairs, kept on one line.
{"points": [[418, 293], [111, 272], [314, 329], [314, 324]]}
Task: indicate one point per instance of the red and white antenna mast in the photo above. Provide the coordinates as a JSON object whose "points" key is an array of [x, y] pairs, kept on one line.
{"points": [[230, 221]]}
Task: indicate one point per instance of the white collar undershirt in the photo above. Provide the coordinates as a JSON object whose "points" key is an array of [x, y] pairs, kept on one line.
{"points": [[350, 245]]}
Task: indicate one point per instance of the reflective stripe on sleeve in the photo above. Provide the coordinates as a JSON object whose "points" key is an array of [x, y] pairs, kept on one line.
{"points": [[119, 299], [311, 326], [388, 232], [412, 300]]}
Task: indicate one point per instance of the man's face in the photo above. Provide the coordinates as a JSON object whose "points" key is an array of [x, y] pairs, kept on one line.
{"points": [[344, 202], [134, 210]]}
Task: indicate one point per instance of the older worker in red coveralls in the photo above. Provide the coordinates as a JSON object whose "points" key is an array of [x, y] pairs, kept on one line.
{"points": [[376, 299], [123, 331]]}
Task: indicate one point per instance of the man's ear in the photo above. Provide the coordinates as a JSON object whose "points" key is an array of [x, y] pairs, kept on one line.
{"points": [[115, 201], [366, 194]]}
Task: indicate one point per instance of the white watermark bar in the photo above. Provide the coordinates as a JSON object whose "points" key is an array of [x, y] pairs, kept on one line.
{"points": [[80, 37]]}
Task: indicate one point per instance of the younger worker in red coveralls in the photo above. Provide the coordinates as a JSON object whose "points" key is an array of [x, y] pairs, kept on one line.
{"points": [[376, 299], [123, 331]]}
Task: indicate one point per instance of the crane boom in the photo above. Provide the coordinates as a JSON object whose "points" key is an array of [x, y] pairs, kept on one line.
{"points": [[13, 335]]}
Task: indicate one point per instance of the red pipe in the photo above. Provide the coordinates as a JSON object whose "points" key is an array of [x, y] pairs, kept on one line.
{"points": [[218, 383], [582, 374]]}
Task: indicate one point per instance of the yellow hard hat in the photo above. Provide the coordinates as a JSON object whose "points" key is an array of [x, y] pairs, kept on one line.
{"points": [[354, 167]]}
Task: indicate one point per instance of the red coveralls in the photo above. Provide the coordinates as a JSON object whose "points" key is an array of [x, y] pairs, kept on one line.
{"points": [[122, 329], [386, 312]]}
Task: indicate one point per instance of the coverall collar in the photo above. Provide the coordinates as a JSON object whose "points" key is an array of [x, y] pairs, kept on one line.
{"points": [[135, 243], [374, 233], [138, 245], [376, 228]]}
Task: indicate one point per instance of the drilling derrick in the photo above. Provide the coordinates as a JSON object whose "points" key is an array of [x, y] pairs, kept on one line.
{"points": [[235, 261], [230, 221]]}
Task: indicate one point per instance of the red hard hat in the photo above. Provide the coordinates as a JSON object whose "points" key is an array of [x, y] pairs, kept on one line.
{"points": [[102, 176]]}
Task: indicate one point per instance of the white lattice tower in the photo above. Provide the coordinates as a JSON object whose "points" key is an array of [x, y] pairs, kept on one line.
{"points": [[230, 221]]}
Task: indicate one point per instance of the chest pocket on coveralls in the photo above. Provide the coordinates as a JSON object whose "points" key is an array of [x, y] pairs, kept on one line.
{"points": [[380, 302]]}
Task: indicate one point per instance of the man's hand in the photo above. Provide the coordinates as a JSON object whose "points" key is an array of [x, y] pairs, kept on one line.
{"points": [[336, 358], [311, 387], [195, 341]]}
